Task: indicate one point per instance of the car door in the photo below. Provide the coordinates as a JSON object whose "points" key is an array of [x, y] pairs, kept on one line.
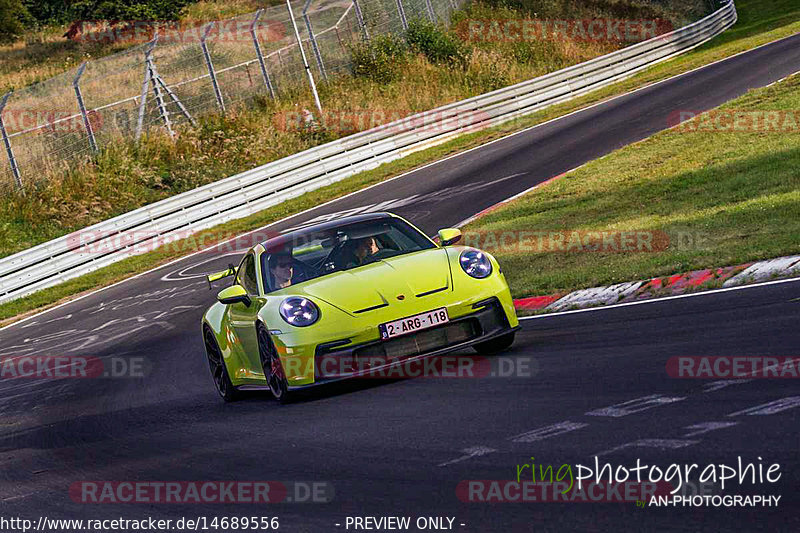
{"points": [[242, 317]]}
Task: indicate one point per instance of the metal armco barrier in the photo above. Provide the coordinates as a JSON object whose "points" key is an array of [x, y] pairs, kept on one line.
{"points": [[241, 195]]}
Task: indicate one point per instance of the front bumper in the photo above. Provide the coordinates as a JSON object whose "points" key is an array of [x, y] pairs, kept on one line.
{"points": [[489, 321]]}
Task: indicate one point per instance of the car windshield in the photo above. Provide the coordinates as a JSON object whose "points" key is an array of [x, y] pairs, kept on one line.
{"points": [[312, 253]]}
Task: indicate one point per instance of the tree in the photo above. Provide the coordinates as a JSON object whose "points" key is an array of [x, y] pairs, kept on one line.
{"points": [[66, 11], [13, 17]]}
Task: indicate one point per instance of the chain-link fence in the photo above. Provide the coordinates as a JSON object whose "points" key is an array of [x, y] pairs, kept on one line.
{"points": [[177, 74]]}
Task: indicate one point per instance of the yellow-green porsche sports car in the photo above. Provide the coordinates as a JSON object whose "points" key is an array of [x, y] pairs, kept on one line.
{"points": [[349, 297]]}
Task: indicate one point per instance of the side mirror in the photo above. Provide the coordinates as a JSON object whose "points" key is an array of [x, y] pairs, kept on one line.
{"points": [[233, 294], [449, 236]]}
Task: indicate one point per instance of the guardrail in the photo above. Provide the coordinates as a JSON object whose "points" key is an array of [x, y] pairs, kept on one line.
{"points": [[243, 194], [183, 73]]}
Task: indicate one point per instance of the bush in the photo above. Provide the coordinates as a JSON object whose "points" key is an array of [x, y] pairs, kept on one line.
{"points": [[380, 59], [61, 11], [13, 17], [438, 45], [487, 71]]}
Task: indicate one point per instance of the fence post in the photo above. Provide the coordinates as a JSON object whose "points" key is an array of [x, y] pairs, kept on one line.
{"points": [[339, 38], [79, 96], [159, 82], [313, 40], [431, 12], [153, 76], [305, 60], [210, 66], [257, 45], [148, 73], [360, 18], [402, 13], [7, 143]]}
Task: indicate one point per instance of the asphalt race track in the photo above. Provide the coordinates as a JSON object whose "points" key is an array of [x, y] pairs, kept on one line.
{"points": [[401, 447]]}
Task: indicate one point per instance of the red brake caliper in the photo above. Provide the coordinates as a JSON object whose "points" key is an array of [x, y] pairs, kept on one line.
{"points": [[277, 369]]}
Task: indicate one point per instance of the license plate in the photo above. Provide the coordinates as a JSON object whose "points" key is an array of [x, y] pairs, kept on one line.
{"points": [[414, 323]]}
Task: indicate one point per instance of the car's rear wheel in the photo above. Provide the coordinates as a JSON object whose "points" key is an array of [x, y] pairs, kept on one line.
{"points": [[271, 364], [219, 372], [495, 345]]}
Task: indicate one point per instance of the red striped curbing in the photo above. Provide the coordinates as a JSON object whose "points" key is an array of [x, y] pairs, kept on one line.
{"points": [[679, 283], [536, 303]]}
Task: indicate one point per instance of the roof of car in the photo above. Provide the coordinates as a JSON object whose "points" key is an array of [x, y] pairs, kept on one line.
{"points": [[282, 239]]}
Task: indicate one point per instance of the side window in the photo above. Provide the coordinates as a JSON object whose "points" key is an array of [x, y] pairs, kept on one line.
{"points": [[246, 275]]}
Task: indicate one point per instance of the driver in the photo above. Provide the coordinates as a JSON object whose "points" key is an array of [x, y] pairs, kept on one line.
{"points": [[365, 250]]}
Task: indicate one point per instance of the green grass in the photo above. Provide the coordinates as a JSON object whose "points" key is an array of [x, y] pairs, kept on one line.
{"points": [[126, 175], [723, 198], [17, 309], [44, 52], [760, 21]]}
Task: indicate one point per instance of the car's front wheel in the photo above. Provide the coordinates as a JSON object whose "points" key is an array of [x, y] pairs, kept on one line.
{"points": [[271, 364], [498, 344], [219, 372]]}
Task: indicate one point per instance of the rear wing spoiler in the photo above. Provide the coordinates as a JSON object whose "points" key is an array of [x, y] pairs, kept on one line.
{"points": [[222, 274]]}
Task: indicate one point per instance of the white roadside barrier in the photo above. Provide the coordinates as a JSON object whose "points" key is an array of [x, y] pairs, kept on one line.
{"points": [[241, 195]]}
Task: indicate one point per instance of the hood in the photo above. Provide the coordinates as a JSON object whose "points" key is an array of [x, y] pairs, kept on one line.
{"points": [[377, 284]]}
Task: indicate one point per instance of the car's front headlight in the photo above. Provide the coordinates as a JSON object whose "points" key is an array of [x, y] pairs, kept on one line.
{"points": [[298, 311], [475, 263]]}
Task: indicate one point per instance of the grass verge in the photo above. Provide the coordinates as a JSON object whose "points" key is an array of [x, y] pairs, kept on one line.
{"points": [[395, 77], [707, 193], [760, 22], [44, 52]]}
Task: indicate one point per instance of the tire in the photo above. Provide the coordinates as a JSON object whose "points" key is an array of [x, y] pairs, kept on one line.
{"points": [[219, 371], [498, 344], [271, 364]]}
